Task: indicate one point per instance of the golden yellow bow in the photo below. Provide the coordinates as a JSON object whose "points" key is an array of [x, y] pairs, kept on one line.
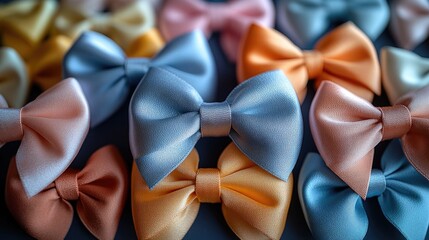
{"points": [[122, 26], [14, 84], [24, 24], [254, 202]]}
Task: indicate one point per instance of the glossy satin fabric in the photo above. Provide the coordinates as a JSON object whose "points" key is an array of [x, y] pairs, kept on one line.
{"points": [[334, 211], [122, 26], [254, 203], [107, 76], [346, 128], [409, 22], [95, 6], [46, 151], [146, 45], [44, 64], [306, 20], [231, 19], [14, 83], [166, 120], [344, 56], [99, 189], [24, 24], [403, 71]]}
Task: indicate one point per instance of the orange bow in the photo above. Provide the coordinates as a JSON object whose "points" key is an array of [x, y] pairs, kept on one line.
{"points": [[254, 203], [100, 190], [344, 56]]}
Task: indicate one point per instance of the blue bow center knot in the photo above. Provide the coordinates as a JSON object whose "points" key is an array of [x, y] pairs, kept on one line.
{"points": [[215, 119], [377, 183], [135, 68]]}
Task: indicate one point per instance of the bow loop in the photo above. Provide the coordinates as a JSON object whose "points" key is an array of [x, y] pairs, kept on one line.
{"points": [[169, 209], [161, 121], [99, 190]]}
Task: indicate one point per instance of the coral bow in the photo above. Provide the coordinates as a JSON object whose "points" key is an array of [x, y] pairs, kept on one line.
{"points": [[24, 24], [344, 56], [14, 84], [231, 19], [123, 25], [409, 22], [402, 194], [99, 189], [346, 128], [254, 209], [51, 129]]}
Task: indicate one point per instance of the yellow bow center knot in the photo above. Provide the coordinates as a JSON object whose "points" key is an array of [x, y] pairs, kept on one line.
{"points": [[207, 185], [67, 186], [314, 63]]}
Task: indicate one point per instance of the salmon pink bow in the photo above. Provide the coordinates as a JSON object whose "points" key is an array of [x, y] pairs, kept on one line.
{"points": [[52, 129], [231, 19], [346, 128], [99, 189], [254, 202]]}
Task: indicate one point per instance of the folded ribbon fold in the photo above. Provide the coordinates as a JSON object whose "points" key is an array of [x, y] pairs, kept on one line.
{"points": [[262, 116]]}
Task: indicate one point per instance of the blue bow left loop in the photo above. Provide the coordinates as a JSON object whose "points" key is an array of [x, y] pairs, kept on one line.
{"points": [[107, 76], [334, 211], [306, 20], [262, 116]]}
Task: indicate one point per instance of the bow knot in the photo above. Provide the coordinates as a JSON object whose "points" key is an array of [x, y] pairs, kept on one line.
{"points": [[396, 121], [314, 63], [207, 185], [134, 69], [10, 125], [218, 16], [377, 183], [215, 119], [67, 186]]}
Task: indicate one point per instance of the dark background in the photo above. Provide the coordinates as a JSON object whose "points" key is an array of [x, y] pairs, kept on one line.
{"points": [[209, 223]]}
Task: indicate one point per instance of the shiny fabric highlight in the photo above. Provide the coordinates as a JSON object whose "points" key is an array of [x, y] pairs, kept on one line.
{"points": [[99, 189], [344, 56], [108, 77], [231, 19], [254, 203], [46, 151], [346, 128], [334, 211], [165, 121]]}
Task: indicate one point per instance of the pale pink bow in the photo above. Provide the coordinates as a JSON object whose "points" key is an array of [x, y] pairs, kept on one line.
{"points": [[231, 19], [52, 129]]}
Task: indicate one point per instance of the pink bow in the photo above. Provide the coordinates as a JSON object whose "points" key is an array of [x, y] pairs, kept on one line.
{"points": [[410, 22], [51, 129], [230, 19], [346, 128]]}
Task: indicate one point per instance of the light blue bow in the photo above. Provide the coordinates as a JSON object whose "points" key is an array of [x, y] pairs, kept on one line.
{"points": [[107, 76], [262, 116], [334, 211], [306, 20]]}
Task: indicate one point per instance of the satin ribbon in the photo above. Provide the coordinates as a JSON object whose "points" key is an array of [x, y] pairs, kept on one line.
{"points": [[346, 128], [334, 211], [95, 6], [306, 20], [344, 56], [24, 24], [99, 190], [409, 22], [146, 45], [14, 84], [51, 129], [262, 116], [107, 77], [122, 26], [403, 71], [253, 209], [231, 19]]}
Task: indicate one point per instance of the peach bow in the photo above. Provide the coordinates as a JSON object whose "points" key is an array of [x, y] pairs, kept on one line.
{"points": [[99, 189], [344, 56], [24, 24], [254, 202], [122, 26], [346, 128]]}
